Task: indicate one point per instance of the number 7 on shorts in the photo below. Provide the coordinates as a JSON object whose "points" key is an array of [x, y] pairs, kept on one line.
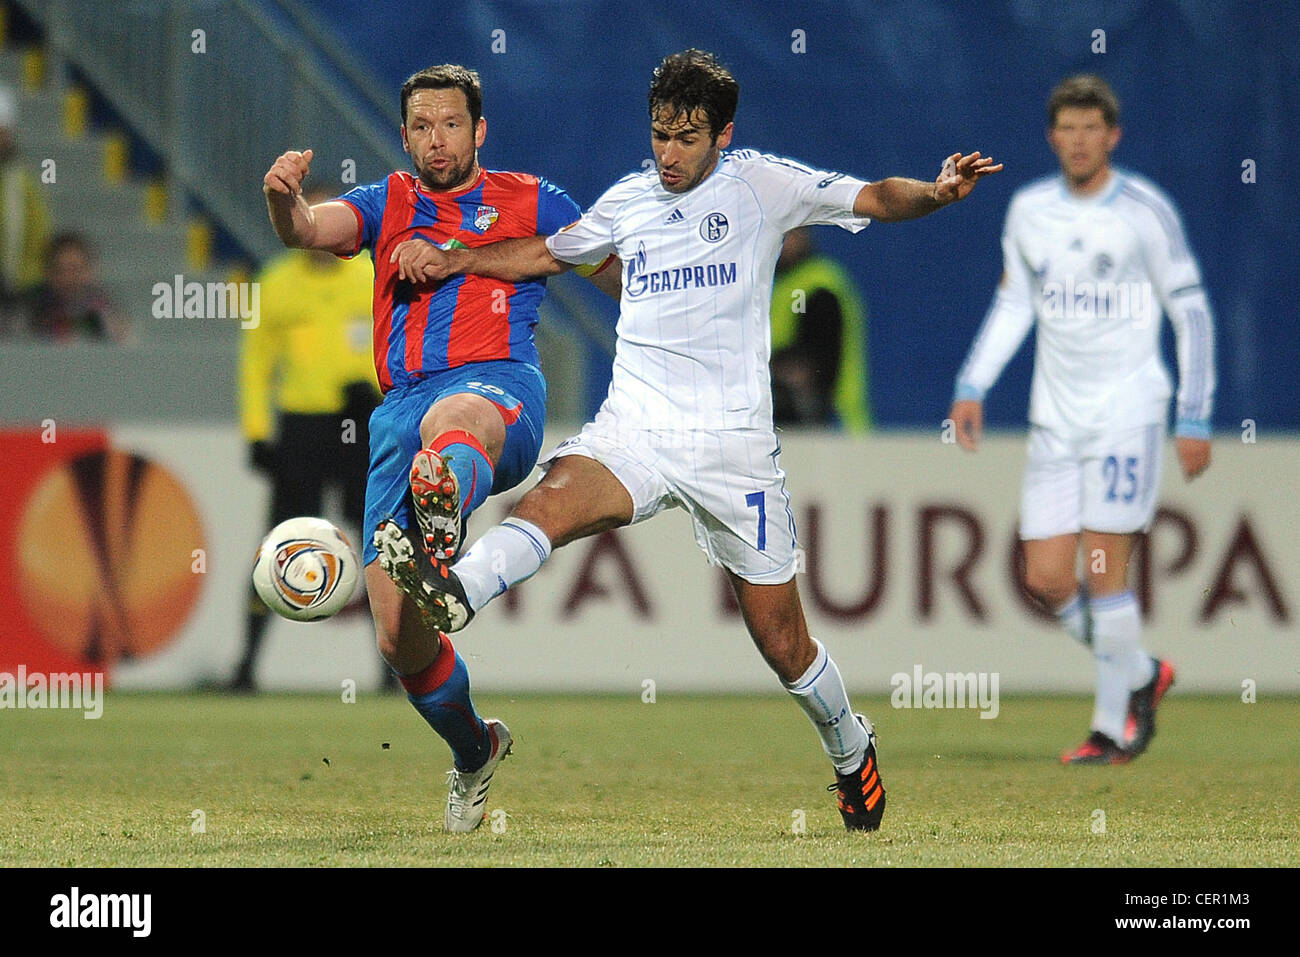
{"points": [[755, 500]]}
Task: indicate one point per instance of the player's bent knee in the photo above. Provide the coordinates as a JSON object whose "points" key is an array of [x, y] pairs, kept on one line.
{"points": [[470, 413], [571, 503]]}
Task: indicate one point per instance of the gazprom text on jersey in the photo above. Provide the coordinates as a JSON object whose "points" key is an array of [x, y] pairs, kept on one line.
{"points": [[680, 277]]}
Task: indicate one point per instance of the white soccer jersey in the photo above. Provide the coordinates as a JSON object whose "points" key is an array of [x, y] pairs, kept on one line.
{"points": [[694, 338], [1095, 272]]}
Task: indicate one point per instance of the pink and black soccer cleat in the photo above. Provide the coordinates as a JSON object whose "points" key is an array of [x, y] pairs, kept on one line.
{"points": [[1097, 749], [1140, 726]]}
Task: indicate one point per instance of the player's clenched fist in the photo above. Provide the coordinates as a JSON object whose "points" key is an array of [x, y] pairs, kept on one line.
{"points": [[968, 420], [287, 173], [421, 261]]}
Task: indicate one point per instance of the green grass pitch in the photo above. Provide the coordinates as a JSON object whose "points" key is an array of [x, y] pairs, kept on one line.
{"points": [[598, 780]]}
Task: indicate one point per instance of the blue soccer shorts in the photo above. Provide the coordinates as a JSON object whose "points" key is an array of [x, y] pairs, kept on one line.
{"points": [[517, 388]]}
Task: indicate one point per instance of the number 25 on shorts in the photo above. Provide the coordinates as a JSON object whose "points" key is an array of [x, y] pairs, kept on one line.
{"points": [[1111, 472]]}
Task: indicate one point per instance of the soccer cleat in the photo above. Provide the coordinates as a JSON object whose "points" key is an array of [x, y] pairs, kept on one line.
{"points": [[435, 492], [467, 790], [862, 792], [434, 589], [1097, 749], [1140, 726]]}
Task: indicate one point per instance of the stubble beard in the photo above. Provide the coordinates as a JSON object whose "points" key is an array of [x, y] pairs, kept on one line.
{"points": [[697, 176], [453, 176]]}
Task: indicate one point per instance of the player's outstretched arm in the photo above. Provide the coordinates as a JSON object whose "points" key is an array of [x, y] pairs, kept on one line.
{"points": [[898, 198], [328, 226]]}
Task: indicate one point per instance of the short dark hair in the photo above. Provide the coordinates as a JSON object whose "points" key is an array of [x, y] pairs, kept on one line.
{"points": [[1084, 90], [446, 76], [694, 80]]}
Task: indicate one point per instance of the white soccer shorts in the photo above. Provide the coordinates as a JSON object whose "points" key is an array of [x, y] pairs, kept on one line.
{"points": [[1104, 483], [729, 482]]}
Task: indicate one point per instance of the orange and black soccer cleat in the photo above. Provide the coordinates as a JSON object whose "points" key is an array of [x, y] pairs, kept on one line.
{"points": [[1140, 726], [861, 792], [1097, 749], [435, 492]]}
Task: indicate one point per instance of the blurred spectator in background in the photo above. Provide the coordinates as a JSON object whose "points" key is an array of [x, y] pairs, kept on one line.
{"points": [[69, 305], [819, 368], [307, 388], [24, 218]]}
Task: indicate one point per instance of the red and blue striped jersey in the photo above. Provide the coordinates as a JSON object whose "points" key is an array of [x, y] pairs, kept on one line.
{"points": [[423, 329]]}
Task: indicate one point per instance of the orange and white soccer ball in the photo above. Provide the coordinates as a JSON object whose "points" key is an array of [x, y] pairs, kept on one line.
{"points": [[306, 569]]}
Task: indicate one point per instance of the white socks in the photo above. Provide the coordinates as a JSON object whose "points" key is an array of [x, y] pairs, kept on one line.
{"points": [[820, 692], [506, 555], [1122, 665]]}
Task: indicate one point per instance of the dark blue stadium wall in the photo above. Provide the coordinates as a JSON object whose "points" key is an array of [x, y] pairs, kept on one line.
{"points": [[891, 90]]}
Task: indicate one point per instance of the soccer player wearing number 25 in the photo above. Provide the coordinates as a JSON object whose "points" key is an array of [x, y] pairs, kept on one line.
{"points": [[688, 418], [1092, 255], [464, 401]]}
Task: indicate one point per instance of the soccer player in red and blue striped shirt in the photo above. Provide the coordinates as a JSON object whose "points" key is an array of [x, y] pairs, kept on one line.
{"points": [[464, 401]]}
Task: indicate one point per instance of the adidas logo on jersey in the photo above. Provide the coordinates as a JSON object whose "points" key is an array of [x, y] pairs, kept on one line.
{"points": [[675, 217]]}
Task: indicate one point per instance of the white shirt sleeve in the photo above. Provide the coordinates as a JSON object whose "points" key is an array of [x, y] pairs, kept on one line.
{"points": [[797, 195], [1177, 280], [590, 240], [1005, 325]]}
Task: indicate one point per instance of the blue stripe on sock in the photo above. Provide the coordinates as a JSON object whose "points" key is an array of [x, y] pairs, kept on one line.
{"points": [[537, 546], [813, 680], [1108, 602]]}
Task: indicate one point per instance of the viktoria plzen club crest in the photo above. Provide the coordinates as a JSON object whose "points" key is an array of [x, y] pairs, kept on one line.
{"points": [[484, 217]]}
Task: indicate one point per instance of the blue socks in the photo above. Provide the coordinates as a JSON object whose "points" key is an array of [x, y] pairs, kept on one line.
{"points": [[441, 694]]}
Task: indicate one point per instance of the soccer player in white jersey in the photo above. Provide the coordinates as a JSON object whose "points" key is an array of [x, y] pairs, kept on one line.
{"points": [[688, 419], [1093, 255]]}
